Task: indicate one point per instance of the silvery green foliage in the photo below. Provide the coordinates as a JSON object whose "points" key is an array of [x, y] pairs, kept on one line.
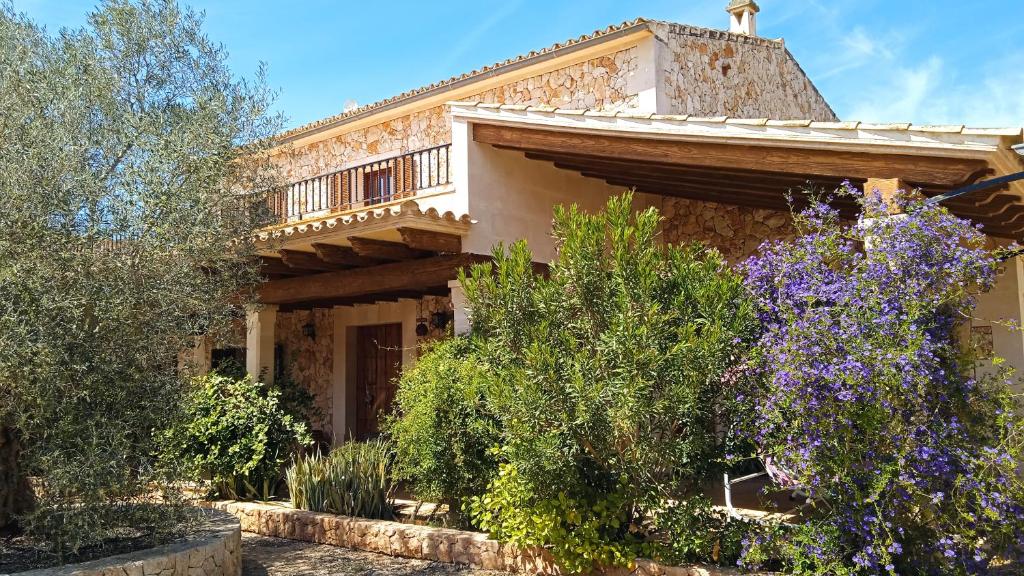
{"points": [[126, 144], [353, 480]]}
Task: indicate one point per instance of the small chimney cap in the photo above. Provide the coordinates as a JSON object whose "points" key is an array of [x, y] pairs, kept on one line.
{"points": [[738, 5]]}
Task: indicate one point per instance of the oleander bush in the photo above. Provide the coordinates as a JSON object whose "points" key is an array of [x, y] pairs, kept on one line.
{"points": [[910, 447], [443, 434], [607, 378], [354, 479], [236, 434]]}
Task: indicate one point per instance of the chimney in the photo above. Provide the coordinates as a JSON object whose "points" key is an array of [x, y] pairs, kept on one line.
{"points": [[743, 17]]}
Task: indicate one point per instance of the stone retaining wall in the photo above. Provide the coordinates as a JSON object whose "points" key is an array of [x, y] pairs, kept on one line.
{"points": [[215, 550], [415, 541]]}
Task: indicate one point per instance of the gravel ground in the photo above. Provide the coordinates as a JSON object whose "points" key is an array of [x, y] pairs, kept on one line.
{"points": [[266, 556]]}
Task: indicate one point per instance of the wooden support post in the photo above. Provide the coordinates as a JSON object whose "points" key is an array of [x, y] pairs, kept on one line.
{"points": [[888, 188]]}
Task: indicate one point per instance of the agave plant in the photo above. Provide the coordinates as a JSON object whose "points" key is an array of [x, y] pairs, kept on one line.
{"points": [[353, 480]]}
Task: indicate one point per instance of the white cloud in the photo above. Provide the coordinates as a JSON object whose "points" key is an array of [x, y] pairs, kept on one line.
{"points": [[929, 92], [470, 39], [859, 49]]}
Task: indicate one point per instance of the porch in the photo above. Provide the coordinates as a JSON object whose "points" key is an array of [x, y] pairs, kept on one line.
{"points": [[726, 182], [351, 296]]}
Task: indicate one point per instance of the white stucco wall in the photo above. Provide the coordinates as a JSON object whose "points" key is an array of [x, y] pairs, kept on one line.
{"points": [[1003, 305], [511, 197]]}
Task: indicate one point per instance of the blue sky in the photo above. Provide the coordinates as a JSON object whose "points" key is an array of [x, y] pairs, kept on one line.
{"points": [[923, 61]]}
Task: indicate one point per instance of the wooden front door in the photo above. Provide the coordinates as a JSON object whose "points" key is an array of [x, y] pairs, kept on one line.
{"points": [[378, 363]]}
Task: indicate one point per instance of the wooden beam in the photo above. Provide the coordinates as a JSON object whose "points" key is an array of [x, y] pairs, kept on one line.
{"points": [[734, 193], [818, 162], [306, 261], [431, 241], [274, 266], [343, 256], [383, 249], [415, 275], [752, 180], [578, 162], [372, 299]]}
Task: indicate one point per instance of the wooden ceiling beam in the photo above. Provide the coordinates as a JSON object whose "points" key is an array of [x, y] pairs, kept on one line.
{"points": [[384, 250], [430, 240], [575, 162], [730, 188], [372, 299], [411, 275], [306, 261], [276, 267], [818, 162], [710, 193], [704, 196], [753, 182], [343, 256]]}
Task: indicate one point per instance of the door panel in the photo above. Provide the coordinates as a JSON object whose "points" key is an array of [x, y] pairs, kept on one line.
{"points": [[378, 364]]}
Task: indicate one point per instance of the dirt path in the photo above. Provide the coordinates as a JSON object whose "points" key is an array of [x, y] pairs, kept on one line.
{"points": [[266, 556]]}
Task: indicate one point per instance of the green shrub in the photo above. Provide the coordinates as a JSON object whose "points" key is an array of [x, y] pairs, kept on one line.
{"points": [[353, 480], [236, 434], [694, 531], [442, 432], [608, 379], [580, 531]]}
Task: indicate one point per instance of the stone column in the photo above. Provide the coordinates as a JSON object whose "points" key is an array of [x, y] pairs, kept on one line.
{"points": [[259, 341], [196, 360], [461, 321]]}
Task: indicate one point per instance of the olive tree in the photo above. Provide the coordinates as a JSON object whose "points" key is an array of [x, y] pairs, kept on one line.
{"points": [[129, 147]]}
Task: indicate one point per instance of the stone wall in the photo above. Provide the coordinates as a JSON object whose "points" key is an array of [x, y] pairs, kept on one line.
{"points": [[600, 83], [215, 550], [426, 307], [423, 542], [597, 83], [736, 231], [310, 360], [713, 73]]}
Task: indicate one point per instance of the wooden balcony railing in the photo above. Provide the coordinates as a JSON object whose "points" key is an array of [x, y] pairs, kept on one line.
{"points": [[363, 186]]}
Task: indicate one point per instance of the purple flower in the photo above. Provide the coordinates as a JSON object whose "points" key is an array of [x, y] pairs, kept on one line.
{"points": [[865, 394]]}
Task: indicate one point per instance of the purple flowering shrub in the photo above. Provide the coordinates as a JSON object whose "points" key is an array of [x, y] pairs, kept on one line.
{"points": [[869, 399]]}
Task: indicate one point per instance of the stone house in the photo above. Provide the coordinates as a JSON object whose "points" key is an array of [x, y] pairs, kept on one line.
{"points": [[387, 201]]}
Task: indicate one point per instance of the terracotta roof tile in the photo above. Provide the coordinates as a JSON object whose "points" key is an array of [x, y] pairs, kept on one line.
{"points": [[889, 126], [408, 209], [790, 123], [596, 34]]}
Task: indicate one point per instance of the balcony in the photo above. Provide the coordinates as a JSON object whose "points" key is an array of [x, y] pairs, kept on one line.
{"points": [[363, 186]]}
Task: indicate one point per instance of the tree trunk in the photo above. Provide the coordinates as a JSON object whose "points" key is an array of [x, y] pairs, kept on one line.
{"points": [[15, 492]]}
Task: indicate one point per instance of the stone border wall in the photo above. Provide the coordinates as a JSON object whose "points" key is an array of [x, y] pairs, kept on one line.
{"points": [[216, 550], [421, 542]]}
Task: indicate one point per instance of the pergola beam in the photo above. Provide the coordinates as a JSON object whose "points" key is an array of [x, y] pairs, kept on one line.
{"points": [[306, 261], [343, 255], [384, 250], [430, 240], [412, 275], [794, 159]]}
